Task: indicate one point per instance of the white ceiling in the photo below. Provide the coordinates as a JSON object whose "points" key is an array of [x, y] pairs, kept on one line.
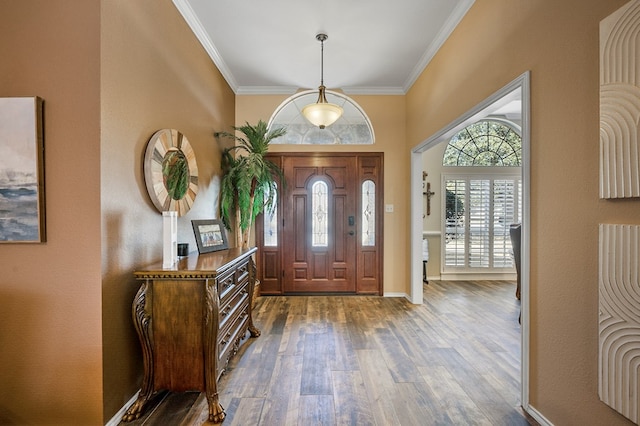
{"points": [[374, 46]]}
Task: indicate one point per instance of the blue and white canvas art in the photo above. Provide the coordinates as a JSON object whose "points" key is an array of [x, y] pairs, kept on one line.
{"points": [[21, 171]]}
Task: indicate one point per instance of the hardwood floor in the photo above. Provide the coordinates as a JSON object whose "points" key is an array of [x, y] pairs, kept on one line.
{"points": [[354, 360]]}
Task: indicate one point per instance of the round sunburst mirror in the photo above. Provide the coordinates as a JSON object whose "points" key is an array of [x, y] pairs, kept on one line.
{"points": [[171, 171]]}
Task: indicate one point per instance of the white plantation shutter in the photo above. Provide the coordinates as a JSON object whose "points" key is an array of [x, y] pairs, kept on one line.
{"points": [[505, 196], [455, 234], [478, 238], [479, 211]]}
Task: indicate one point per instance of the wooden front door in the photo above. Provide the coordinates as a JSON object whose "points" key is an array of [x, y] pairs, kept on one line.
{"points": [[319, 216], [320, 246]]}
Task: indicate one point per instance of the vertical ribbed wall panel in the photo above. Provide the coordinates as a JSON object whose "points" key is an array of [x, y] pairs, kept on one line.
{"points": [[620, 103], [619, 318]]}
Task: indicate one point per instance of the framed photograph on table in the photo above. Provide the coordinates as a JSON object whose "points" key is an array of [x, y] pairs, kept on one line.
{"points": [[210, 235]]}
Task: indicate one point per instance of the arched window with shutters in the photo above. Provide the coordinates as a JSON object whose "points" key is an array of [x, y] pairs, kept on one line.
{"points": [[483, 187]]}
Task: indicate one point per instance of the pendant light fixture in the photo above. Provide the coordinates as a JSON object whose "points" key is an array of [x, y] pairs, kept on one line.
{"points": [[322, 113]]}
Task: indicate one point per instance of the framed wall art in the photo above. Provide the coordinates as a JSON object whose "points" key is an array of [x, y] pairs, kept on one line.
{"points": [[210, 235], [22, 218], [620, 103]]}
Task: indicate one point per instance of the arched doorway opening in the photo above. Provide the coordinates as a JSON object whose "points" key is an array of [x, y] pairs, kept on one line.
{"points": [[516, 91]]}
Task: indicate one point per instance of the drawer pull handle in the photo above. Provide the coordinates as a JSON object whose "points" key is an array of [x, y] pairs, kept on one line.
{"points": [[226, 339]]}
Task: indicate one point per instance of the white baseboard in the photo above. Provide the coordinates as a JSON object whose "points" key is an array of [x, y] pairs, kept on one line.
{"points": [[390, 294], [117, 418], [538, 416], [459, 276], [475, 277]]}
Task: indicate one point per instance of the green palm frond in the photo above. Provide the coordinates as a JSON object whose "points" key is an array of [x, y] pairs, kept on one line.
{"points": [[249, 176]]}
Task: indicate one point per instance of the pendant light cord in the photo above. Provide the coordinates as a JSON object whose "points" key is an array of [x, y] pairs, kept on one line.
{"points": [[321, 38], [322, 62]]}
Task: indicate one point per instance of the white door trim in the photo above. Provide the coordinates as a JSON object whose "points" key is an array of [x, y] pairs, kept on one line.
{"points": [[494, 101]]}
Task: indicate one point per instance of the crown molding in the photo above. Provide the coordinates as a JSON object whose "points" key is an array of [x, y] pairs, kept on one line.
{"points": [[442, 36], [266, 90], [290, 90], [364, 90], [196, 26]]}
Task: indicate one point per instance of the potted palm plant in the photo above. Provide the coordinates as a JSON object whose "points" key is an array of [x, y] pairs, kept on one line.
{"points": [[248, 179]]}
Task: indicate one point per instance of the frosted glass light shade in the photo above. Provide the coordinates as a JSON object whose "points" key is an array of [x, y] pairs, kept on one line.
{"points": [[322, 113]]}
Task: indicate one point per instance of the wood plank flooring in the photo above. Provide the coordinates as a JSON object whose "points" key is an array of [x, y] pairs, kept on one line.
{"points": [[354, 360]]}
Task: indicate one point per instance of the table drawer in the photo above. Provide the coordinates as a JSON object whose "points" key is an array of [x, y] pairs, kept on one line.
{"points": [[226, 283], [230, 310], [227, 345], [242, 272]]}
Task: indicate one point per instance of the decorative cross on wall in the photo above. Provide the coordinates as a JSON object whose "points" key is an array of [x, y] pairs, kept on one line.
{"points": [[427, 191]]}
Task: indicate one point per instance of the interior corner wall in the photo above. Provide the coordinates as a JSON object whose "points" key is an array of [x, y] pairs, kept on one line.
{"points": [[387, 114], [50, 293], [154, 74], [558, 42]]}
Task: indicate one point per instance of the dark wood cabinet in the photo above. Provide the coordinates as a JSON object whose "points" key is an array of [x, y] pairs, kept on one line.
{"points": [[190, 320]]}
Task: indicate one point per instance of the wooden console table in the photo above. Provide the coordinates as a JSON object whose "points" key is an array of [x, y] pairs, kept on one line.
{"points": [[190, 320]]}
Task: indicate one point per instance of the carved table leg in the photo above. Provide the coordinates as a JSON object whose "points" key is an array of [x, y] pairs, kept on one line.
{"points": [[216, 411], [137, 408], [252, 329], [252, 281], [211, 324], [141, 311]]}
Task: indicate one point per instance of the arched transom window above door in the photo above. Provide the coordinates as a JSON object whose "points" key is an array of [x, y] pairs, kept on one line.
{"points": [[485, 143], [352, 128]]}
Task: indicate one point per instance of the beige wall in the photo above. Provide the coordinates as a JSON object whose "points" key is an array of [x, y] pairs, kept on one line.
{"points": [[558, 42], [50, 294], [155, 75], [387, 115], [111, 74]]}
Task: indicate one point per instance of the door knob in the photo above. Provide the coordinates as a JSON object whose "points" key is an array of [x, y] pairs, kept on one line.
{"points": [[352, 233]]}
